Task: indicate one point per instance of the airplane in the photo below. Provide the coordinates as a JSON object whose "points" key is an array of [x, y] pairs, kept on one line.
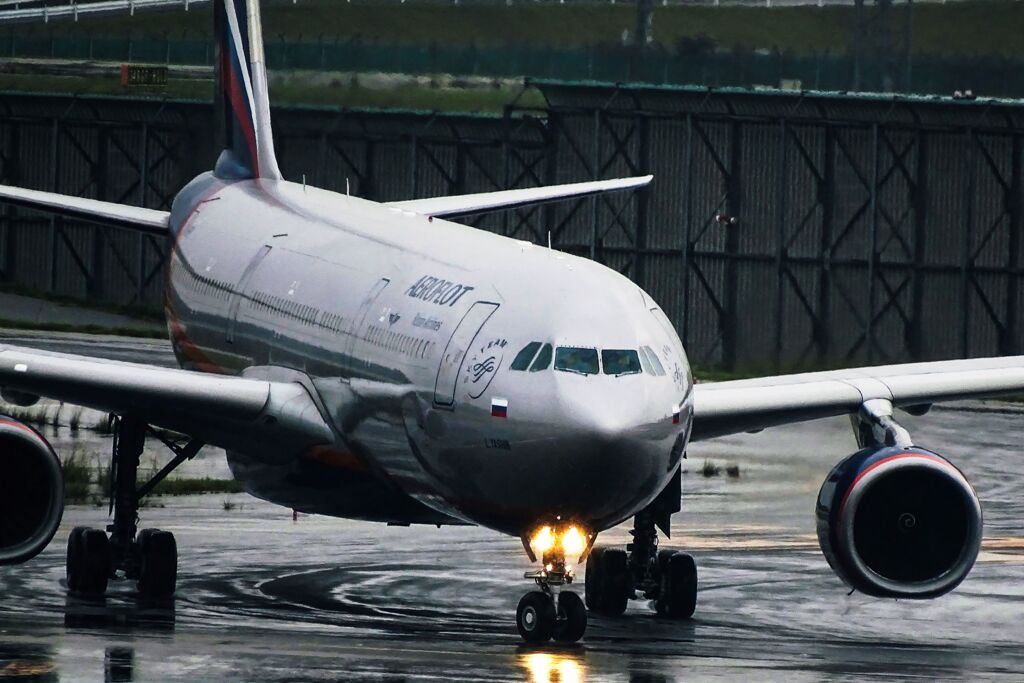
{"points": [[376, 361]]}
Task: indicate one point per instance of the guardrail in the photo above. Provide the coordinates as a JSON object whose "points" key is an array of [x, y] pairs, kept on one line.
{"points": [[40, 10], [74, 10]]}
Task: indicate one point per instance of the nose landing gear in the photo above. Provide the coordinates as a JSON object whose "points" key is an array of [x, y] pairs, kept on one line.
{"points": [[551, 612]]}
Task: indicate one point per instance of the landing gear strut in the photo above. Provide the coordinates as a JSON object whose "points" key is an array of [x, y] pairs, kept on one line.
{"points": [[149, 557], [551, 612], [641, 571]]}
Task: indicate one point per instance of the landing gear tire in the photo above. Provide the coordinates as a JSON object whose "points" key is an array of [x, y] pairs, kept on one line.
{"points": [[677, 596], [158, 563], [607, 586], [572, 618], [88, 561], [536, 618]]}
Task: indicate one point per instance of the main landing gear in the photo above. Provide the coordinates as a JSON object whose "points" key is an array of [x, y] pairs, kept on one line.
{"points": [[551, 612], [150, 556], [641, 571]]}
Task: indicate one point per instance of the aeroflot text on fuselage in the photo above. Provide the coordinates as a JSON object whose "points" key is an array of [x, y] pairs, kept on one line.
{"points": [[438, 290]]}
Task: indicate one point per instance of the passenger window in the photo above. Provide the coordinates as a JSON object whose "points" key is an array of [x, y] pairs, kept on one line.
{"points": [[652, 358], [620, 362], [579, 360], [543, 360], [524, 357]]}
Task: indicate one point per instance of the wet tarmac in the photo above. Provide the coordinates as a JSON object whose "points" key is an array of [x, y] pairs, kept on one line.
{"points": [[262, 597]]}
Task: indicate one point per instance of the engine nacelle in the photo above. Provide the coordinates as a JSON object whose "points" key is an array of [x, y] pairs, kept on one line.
{"points": [[31, 492], [899, 522]]}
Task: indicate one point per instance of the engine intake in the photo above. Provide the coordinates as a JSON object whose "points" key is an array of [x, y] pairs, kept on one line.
{"points": [[31, 492], [899, 522]]}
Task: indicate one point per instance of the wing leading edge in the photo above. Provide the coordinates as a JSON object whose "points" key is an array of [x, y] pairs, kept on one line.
{"points": [[722, 408], [108, 213], [231, 412], [468, 204]]}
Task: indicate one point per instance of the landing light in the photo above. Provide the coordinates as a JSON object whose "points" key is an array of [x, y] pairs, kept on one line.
{"points": [[571, 541], [543, 540]]}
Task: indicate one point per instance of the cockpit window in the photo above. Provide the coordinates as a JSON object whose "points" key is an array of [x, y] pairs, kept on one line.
{"points": [[524, 357], [620, 362], [645, 362], [652, 359], [543, 360], [578, 360]]}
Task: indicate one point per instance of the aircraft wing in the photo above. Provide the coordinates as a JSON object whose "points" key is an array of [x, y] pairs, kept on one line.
{"points": [[722, 408], [221, 410], [109, 213], [467, 204]]}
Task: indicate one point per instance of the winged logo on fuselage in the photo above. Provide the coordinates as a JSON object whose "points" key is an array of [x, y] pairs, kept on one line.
{"points": [[482, 365]]}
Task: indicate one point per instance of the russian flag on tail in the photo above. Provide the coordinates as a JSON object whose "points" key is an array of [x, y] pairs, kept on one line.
{"points": [[499, 407]]}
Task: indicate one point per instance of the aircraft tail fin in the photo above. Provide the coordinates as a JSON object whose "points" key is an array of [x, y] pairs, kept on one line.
{"points": [[243, 105]]}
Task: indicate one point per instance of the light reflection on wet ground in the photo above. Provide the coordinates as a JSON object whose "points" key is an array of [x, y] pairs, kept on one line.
{"points": [[264, 598]]}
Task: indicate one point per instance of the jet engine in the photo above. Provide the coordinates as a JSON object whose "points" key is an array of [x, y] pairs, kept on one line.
{"points": [[899, 522], [31, 492]]}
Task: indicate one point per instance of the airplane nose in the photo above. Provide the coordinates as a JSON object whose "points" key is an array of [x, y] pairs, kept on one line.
{"points": [[612, 414], [616, 450]]}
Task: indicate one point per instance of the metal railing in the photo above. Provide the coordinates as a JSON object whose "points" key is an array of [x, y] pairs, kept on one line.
{"points": [[45, 10], [27, 11]]}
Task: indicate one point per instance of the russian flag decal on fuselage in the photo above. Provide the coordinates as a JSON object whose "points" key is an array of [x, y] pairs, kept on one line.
{"points": [[499, 407]]}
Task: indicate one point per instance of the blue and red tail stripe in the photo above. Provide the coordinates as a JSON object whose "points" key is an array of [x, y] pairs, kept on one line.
{"points": [[236, 83]]}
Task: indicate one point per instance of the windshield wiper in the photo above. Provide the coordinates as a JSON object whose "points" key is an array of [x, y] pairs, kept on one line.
{"points": [[573, 370]]}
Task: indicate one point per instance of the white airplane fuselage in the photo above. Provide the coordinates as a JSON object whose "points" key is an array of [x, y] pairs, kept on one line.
{"points": [[406, 328]]}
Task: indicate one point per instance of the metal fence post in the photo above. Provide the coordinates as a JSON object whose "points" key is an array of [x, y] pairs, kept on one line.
{"points": [[826, 195], [54, 219], [873, 244], [140, 276], [780, 247], [916, 343], [1010, 344], [687, 247], [970, 158], [734, 201]]}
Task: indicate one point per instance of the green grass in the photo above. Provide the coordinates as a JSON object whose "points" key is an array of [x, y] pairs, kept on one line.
{"points": [[78, 477], [188, 486], [337, 93], [975, 28], [710, 469], [37, 416]]}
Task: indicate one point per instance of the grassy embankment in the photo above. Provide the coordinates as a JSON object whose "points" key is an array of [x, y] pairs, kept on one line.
{"points": [[940, 30], [976, 28], [337, 93]]}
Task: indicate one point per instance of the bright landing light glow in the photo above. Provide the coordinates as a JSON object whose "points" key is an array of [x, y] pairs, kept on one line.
{"points": [[571, 541], [543, 540]]}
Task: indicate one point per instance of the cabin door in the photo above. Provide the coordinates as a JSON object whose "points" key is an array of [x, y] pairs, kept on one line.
{"points": [[455, 352]]}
